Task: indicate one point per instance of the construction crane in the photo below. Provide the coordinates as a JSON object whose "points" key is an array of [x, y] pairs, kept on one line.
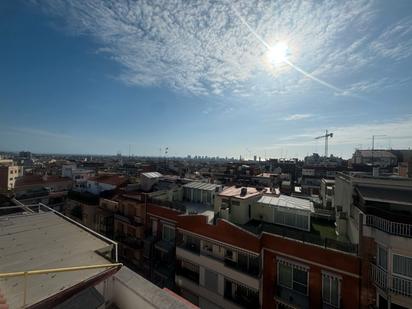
{"points": [[326, 137]]}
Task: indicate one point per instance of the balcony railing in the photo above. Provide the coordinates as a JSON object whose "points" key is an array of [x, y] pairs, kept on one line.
{"points": [[252, 269], [129, 241], [391, 283], [390, 227], [132, 220], [242, 296], [190, 246], [188, 274]]}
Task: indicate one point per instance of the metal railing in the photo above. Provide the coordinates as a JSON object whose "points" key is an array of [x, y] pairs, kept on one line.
{"points": [[390, 227], [310, 238], [392, 283], [27, 274]]}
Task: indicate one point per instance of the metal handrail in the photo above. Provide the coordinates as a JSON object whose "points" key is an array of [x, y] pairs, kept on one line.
{"points": [[28, 273], [56, 270]]}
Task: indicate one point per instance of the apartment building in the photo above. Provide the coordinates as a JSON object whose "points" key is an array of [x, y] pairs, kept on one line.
{"points": [[254, 265], [9, 173], [327, 193], [376, 213], [128, 228], [46, 189]]}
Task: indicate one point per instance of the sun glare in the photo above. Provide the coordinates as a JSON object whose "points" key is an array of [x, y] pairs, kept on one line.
{"points": [[279, 53]]}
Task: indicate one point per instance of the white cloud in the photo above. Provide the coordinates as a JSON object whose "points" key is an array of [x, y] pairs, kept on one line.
{"points": [[297, 117], [202, 47]]}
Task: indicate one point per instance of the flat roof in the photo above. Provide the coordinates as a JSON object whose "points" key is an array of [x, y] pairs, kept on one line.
{"points": [[235, 192], [152, 175], [34, 241], [201, 186], [393, 195], [287, 202]]}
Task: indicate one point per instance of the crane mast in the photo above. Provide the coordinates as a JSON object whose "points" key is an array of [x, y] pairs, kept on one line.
{"points": [[326, 137]]}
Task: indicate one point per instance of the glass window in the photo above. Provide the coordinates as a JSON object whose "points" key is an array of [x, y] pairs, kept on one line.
{"points": [[168, 233], [331, 290], [402, 265], [382, 258], [285, 275], [300, 280], [293, 277]]}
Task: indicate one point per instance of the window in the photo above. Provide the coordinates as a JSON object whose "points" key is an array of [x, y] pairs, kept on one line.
{"points": [[293, 277], [207, 246], [211, 280], [402, 265], [235, 203], [331, 290], [229, 254], [382, 258], [168, 233]]}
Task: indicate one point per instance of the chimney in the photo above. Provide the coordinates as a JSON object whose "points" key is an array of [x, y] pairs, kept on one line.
{"points": [[243, 191]]}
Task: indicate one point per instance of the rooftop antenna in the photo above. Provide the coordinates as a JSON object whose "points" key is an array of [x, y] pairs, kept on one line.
{"points": [[326, 137]]}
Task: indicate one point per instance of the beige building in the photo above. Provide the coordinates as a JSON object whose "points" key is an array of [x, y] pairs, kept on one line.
{"points": [[8, 174], [235, 204]]}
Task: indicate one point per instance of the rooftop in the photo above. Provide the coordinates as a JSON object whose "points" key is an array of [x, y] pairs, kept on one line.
{"points": [[236, 192], [201, 186], [392, 195], [287, 202], [322, 233], [45, 240], [376, 153], [29, 180], [115, 180], [152, 175]]}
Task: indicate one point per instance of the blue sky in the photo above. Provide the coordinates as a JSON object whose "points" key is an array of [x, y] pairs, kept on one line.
{"points": [[195, 76]]}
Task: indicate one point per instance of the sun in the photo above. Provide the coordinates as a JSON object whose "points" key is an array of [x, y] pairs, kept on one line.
{"points": [[279, 53]]}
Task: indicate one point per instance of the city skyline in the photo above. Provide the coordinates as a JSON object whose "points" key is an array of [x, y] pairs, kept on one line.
{"points": [[94, 78]]}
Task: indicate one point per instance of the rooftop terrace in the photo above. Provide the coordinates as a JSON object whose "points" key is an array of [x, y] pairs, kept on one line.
{"points": [[322, 233]]}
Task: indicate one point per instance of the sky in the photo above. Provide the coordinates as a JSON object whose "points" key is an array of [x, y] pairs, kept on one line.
{"points": [[205, 77]]}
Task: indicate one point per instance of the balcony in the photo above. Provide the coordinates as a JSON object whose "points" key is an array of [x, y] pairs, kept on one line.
{"points": [[165, 246], [391, 283], [190, 246], [188, 274], [252, 269], [390, 227], [241, 295], [131, 220], [292, 297], [129, 241]]}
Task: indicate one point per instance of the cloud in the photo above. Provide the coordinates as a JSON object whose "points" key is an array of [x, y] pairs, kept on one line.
{"points": [[202, 47], [297, 117], [397, 131]]}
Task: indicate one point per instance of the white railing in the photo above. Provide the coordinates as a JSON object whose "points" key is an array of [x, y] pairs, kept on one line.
{"points": [[390, 227], [391, 283]]}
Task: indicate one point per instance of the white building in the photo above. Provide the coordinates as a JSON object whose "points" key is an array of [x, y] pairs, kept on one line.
{"points": [[200, 192], [376, 213], [284, 210]]}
